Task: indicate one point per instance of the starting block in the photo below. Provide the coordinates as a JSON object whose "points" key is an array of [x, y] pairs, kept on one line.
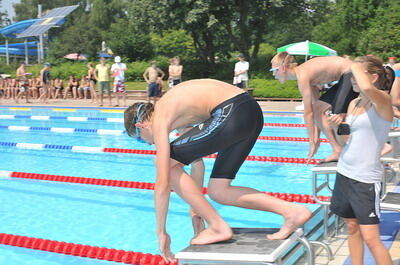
{"points": [[248, 246]]}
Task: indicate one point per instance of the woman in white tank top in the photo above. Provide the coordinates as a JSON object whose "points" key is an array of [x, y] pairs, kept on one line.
{"points": [[359, 173]]}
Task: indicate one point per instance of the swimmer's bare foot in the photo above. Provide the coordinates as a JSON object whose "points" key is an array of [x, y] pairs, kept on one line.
{"points": [[331, 158], [297, 218], [212, 235], [198, 224]]}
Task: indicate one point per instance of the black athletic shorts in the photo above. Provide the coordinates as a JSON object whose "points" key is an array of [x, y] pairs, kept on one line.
{"points": [[232, 131], [340, 95], [354, 199]]}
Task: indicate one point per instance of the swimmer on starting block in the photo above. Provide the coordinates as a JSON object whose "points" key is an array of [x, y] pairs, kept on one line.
{"points": [[228, 122], [310, 77]]}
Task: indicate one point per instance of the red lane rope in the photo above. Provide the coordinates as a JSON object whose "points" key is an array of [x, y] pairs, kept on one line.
{"points": [[290, 197], [270, 124], [291, 139], [85, 251], [251, 158]]}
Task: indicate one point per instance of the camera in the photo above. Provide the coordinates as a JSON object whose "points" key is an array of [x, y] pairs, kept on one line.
{"points": [[343, 129]]}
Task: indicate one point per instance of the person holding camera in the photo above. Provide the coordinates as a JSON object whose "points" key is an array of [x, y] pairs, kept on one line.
{"points": [[356, 194]]}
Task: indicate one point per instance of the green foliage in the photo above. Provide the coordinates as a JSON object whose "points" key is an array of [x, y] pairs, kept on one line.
{"points": [[382, 37], [274, 89], [173, 42], [343, 30]]}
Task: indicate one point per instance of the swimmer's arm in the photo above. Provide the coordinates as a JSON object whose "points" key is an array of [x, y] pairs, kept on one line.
{"points": [[395, 91], [308, 96], [145, 74], [162, 187]]}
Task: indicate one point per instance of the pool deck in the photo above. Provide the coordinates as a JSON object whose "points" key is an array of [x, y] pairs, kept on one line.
{"points": [[338, 244]]}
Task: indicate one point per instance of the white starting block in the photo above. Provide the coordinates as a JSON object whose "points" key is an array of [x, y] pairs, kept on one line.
{"points": [[248, 246]]}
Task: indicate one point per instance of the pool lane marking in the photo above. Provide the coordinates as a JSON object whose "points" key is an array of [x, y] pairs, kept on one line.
{"points": [[22, 109], [116, 120], [63, 130], [120, 132], [33, 117], [80, 250], [89, 149], [291, 197]]}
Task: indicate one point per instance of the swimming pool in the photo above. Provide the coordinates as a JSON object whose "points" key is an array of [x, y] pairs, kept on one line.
{"points": [[116, 217]]}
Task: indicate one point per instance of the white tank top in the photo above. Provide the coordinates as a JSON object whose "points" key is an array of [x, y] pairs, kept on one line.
{"points": [[360, 157]]}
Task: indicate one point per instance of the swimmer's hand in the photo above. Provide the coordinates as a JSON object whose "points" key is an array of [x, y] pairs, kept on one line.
{"points": [[165, 247], [314, 145], [336, 119]]}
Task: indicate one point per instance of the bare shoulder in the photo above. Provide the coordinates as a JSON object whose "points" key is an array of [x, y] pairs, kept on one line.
{"points": [[396, 66]]}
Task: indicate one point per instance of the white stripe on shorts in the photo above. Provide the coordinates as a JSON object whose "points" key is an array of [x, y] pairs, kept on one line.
{"points": [[378, 187]]}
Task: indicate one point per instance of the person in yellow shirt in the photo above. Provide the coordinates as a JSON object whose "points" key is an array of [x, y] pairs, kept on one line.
{"points": [[102, 74]]}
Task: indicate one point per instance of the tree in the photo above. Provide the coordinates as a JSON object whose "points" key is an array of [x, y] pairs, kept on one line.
{"points": [[344, 29], [382, 36]]}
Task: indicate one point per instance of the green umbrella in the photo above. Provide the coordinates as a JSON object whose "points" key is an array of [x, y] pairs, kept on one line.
{"points": [[307, 48]]}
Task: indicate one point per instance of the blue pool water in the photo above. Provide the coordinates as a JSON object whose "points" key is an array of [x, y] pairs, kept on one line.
{"points": [[117, 217]]}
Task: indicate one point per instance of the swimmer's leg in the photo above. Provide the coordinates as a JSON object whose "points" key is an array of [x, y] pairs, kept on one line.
{"points": [[197, 173], [217, 230], [295, 215], [321, 121]]}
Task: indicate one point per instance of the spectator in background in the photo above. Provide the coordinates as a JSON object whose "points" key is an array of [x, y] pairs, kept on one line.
{"points": [[23, 83], [92, 81], [241, 77], [45, 83], [102, 74], [150, 76], [84, 87], [72, 87], [175, 72], [391, 61], [118, 72], [58, 86]]}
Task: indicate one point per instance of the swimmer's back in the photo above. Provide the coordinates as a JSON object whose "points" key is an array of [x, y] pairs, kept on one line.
{"points": [[192, 101], [325, 69], [201, 92]]}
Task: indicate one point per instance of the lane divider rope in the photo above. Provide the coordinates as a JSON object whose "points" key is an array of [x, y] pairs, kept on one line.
{"points": [[45, 118], [116, 120], [290, 197], [120, 132], [62, 130], [88, 149], [85, 251]]}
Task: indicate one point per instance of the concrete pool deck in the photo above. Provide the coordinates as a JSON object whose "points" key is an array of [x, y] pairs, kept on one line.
{"points": [[338, 244]]}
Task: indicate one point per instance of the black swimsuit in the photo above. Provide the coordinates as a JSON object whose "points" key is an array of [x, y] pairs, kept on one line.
{"points": [[232, 131], [340, 95]]}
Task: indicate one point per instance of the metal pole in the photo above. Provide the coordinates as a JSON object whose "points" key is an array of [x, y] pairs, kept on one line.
{"points": [[7, 53], [40, 44], [26, 51]]}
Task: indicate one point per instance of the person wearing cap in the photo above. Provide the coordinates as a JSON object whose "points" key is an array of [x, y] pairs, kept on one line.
{"points": [[23, 83], [45, 82], [118, 72], [226, 120], [241, 77], [391, 61]]}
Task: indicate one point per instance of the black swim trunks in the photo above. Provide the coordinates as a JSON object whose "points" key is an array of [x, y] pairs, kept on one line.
{"points": [[355, 199], [232, 131], [340, 95]]}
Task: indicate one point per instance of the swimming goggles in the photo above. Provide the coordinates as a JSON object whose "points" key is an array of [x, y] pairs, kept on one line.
{"points": [[138, 118], [274, 69]]}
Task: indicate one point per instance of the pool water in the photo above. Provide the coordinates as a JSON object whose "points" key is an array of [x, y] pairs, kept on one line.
{"points": [[118, 217]]}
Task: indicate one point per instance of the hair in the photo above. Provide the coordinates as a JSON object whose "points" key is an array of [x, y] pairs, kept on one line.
{"points": [[375, 66], [284, 58], [131, 116], [90, 64]]}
